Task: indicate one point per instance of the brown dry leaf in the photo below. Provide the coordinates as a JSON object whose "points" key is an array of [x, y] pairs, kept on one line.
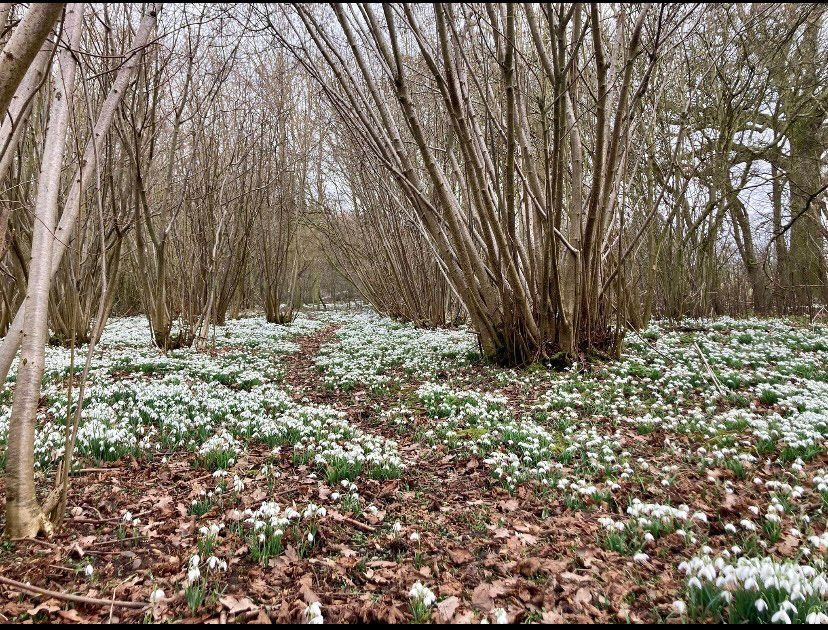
{"points": [[528, 567], [306, 589], [527, 539], [574, 577], [484, 595], [446, 609], [235, 606], [552, 617], [460, 556], [72, 615], [261, 618], [731, 500], [583, 597], [49, 606], [465, 617], [788, 545]]}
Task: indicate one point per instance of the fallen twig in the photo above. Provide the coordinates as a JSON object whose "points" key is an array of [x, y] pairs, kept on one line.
{"points": [[363, 526], [78, 599], [722, 389]]}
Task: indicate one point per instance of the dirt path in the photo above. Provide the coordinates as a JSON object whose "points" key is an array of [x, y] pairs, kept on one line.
{"points": [[301, 374]]}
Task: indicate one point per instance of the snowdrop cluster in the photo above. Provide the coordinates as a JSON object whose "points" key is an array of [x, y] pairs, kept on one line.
{"points": [[140, 402], [421, 593], [516, 449], [343, 451], [646, 523], [269, 525], [757, 590], [421, 599], [369, 347], [219, 451]]}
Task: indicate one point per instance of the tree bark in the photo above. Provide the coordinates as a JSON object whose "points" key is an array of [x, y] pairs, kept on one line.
{"points": [[26, 40], [24, 518], [84, 173]]}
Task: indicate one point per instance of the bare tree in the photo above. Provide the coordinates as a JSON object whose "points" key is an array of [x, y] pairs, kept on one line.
{"points": [[24, 518]]}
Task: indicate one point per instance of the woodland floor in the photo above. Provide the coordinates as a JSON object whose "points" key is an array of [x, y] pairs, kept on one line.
{"points": [[534, 547]]}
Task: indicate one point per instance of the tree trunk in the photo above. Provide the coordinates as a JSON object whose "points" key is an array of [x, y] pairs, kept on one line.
{"points": [[84, 174], [24, 518], [24, 44]]}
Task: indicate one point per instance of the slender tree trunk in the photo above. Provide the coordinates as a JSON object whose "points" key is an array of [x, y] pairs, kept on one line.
{"points": [[94, 148], [24, 44], [24, 517]]}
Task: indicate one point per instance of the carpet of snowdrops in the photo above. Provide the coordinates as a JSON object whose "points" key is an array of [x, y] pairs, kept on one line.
{"points": [[349, 467]]}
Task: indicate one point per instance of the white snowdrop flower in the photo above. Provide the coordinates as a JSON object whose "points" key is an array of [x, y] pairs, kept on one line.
{"points": [[761, 605], [641, 557], [313, 614], [397, 527], [781, 617], [193, 575], [310, 537], [156, 596], [214, 563], [499, 615], [421, 593], [679, 607], [414, 537], [88, 570]]}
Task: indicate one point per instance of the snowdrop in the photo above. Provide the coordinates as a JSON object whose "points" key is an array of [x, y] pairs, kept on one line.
{"points": [[499, 615], [313, 613], [421, 593]]}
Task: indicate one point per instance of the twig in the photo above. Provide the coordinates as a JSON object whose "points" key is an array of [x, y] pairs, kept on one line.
{"points": [[114, 541], [78, 599], [712, 374], [113, 519], [38, 541], [363, 526]]}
